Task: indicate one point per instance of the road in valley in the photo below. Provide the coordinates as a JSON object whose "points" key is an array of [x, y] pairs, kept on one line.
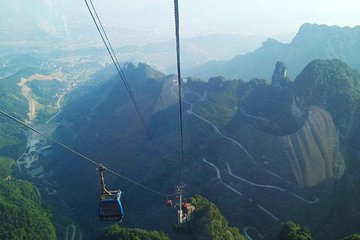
{"points": [[247, 234], [25, 90], [218, 176], [316, 199], [58, 105], [71, 233], [189, 111]]}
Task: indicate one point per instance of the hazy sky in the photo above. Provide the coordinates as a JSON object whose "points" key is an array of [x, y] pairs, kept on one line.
{"points": [[152, 20], [202, 17]]}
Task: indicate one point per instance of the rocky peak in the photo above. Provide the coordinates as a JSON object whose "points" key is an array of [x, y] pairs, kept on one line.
{"points": [[140, 73], [271, 43], [279, 77]]}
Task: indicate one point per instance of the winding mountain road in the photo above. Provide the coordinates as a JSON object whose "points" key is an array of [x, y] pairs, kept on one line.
{"points": [[58, 105], [316, 199], [25, 91], [242, 111], [206, 99], [218, 176], [246, 232], [233, 141], [189, 111]]}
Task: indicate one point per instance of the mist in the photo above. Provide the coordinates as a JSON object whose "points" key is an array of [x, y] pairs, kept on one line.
{"points": [[148, 21]]}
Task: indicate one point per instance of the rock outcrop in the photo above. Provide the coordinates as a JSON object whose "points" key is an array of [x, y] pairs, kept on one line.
{"points": [[308, 156], [279, 77], [313, 151]]}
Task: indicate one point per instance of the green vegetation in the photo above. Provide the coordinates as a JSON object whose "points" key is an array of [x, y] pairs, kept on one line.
{"points": [[333, 84], [207, 223], [293, 231], [11, 138], [352, 237], [268, 106], [218, 103], [5, 167], [14, 103], [115, 232], [11, 99], [45, 91], [21, 215]]}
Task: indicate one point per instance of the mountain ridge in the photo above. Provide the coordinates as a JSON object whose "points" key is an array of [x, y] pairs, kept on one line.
{"points": [[312, 41]]}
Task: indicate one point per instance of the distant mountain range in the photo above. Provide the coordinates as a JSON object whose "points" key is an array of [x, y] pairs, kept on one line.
{"points": [[55, 24], [311, 42], [195, 51]]}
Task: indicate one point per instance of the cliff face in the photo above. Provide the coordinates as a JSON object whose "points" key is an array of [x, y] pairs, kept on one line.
{"points": [[297, 137], [313, 151], [308, 156]]}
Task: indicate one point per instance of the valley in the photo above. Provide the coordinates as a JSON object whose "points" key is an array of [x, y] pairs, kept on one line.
{"points": [[44, 88], [48, 99]]}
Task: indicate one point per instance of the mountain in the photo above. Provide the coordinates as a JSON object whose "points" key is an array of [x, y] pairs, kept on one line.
{"points": [[97, 105], [284, 130], [259, 150], [195, 51], [207, 223], [332, 84], [311, 42]]}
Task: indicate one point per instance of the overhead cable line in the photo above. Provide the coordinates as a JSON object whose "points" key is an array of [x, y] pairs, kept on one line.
{"points": [[111, 52], [108, 45], [176, 13], [83, 156], [101, 30]]}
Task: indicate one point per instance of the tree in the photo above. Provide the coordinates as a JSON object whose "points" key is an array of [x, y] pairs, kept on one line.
{"points": [[115, 232], [207, 223], [352, 237], [293, 231], [21, 214]]}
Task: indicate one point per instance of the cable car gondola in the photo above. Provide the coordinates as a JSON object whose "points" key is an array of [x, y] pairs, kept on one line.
{"points": [[110, 206], [169, 203]]}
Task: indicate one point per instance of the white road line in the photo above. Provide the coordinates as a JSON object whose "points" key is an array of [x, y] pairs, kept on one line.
{"points": [[316, 199]]}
